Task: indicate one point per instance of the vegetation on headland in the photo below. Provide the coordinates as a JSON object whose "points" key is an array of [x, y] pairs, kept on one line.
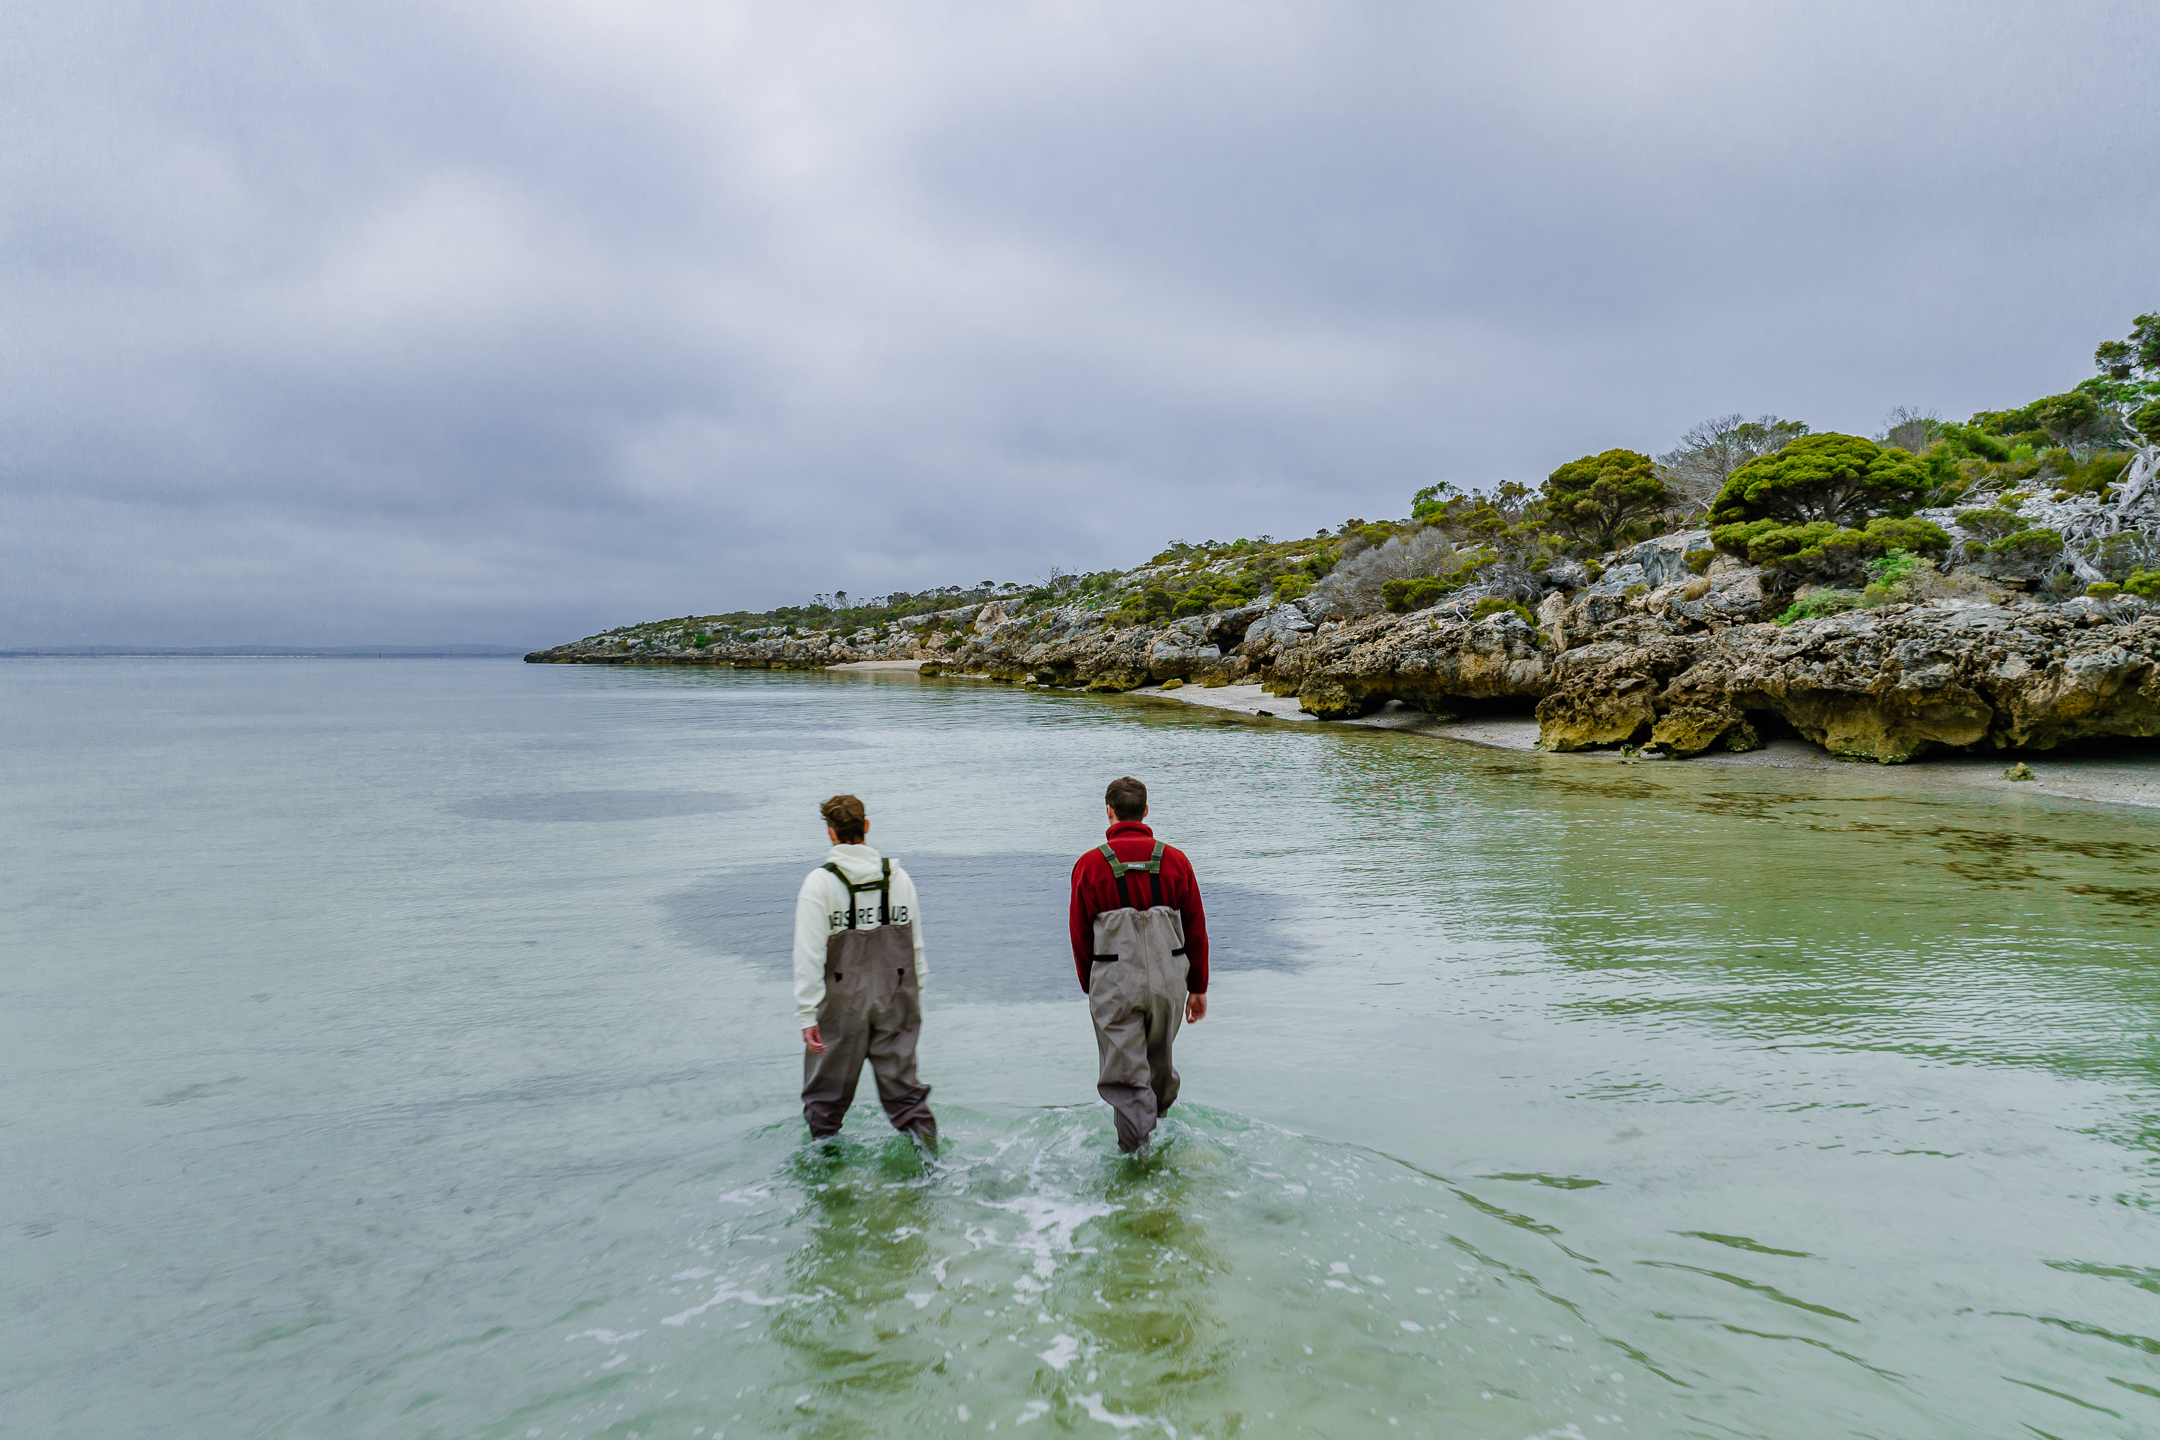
{"points": [[1832, 520]]}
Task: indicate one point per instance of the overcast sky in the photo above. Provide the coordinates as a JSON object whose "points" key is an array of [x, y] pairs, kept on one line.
{"points": [[508, 323]]}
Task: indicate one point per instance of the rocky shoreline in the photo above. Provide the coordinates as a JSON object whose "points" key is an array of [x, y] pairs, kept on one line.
{"points": [[1656, 652]]}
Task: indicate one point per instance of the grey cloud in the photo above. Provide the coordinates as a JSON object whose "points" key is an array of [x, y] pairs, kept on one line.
{"points": [[507, 323]]}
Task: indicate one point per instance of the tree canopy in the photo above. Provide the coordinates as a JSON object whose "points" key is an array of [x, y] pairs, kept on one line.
{"points": [[1841, 478], [1600, 497]]}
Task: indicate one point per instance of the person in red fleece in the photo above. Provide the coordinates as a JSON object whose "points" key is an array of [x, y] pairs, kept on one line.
{"points": [[1140, 948]]}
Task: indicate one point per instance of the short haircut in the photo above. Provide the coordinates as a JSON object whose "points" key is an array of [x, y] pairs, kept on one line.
{"points": [[1127, 797], [845, 814]]}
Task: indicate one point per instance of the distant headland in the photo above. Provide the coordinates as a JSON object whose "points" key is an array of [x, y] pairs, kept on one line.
{"points": [[1981, 586], [267, 652]]}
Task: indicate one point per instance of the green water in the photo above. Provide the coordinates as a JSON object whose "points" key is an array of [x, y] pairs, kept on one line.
{"points": [[405, 1048]]}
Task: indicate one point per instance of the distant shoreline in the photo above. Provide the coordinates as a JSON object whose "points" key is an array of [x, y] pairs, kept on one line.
{"points": [[261, 652]]}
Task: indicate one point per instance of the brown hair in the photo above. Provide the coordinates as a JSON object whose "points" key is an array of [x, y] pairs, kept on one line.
{"points": [[1126, 796], [845, 815]]}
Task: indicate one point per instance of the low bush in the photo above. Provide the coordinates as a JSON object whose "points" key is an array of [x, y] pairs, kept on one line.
{"points": [[1495, 605], [1403, 596], [2103, 590], [1817, 603], [1824, 552], [2145, 585], [1990, 524], [2028, 548], [1698, 561]]}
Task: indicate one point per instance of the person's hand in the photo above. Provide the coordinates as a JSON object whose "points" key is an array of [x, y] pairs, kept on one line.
{"points": [[1195, 1009], [815, 1041]]}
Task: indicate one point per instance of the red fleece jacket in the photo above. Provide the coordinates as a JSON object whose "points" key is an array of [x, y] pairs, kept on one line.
{"points": [[1094, 890]]}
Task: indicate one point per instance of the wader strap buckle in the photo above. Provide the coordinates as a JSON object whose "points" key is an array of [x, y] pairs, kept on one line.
{"points": [[883, 885]]}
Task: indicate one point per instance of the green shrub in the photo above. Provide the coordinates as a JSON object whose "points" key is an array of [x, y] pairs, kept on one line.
{"points": [[2145, 584], [2146, 421], [1147, 606], [2092, 476], [1837, 478], [2119, 556], [2027, 548], [1735, 539], [1990, 524], [1290, 587], [1895, 568], [1921, 537], [1892, 579], [1201, 595], [1817, 603], [1825, 552], [1494, 605], [1698, 561], [1600, 498], [2103, 590], [1403, 596], [1597, 571]]}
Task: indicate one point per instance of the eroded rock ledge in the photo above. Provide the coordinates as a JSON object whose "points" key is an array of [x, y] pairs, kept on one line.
{"points": [[1650, 654]]}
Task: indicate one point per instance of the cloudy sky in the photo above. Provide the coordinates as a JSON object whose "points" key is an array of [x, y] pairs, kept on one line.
{"points": [[345, 324]]}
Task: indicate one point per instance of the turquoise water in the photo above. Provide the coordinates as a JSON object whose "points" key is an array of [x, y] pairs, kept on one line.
{"points": [[405, 1048]]}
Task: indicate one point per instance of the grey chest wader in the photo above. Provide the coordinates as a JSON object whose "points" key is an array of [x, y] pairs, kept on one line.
{"points": [[872, 1011], [1136, 996]]}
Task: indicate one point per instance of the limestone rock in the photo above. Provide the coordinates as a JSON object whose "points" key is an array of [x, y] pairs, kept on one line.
{"points": [[1886, 685], [1662, 560], [1424, 660]]}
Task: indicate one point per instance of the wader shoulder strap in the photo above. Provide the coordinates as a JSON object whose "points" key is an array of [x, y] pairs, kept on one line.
{"points": [[883, 885], [1152, 865]]}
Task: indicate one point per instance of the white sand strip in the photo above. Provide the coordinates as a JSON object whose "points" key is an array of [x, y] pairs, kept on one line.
{"points": [[2107, 780]]}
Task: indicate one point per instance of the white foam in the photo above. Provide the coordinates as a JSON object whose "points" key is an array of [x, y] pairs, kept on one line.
{"points": [[1062, 1352], [1035, 1410], [728, 1292], [921, 1298], [605, 1337], [1094, 1407], [1051, 1224], [695, 1273]]}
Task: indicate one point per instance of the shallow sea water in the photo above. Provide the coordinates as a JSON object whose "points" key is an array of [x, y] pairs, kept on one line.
{"points": [[405, 1048]]}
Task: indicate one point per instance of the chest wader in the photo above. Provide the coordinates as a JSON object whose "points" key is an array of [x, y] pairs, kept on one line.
{"points": [[1136, 996], [872, 1011]]}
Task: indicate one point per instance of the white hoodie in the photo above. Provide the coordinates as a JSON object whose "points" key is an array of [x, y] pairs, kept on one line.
{"points": [[821, 908]]}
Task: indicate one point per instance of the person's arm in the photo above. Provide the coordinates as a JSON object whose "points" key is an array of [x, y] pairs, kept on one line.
{"points": [[904, 893], [1194, 917], [1082, 921], [813, 924]]}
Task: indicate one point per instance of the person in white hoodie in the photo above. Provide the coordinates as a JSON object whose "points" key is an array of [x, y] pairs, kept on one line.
{"points": [[858, 980]]}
